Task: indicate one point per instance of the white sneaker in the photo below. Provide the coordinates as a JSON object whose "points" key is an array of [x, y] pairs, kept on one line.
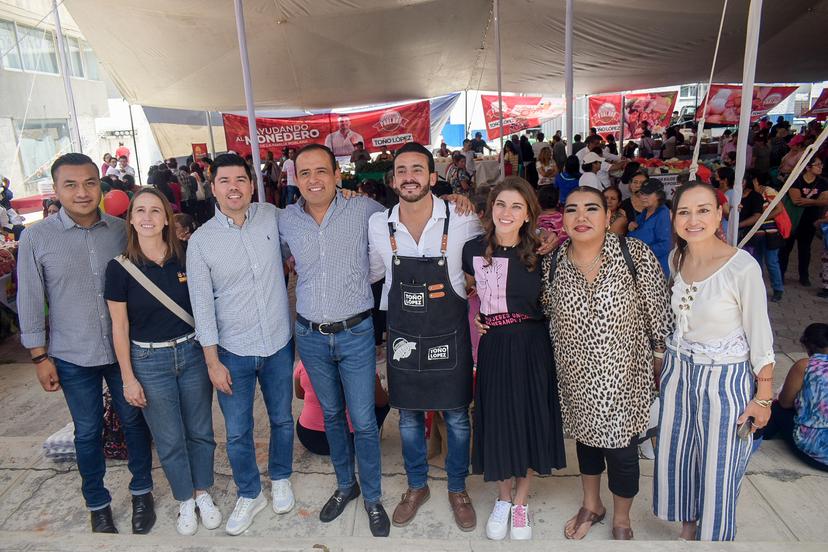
{"points": [[282, 496], [520, 528], [187, 523], [498, 523], [210, 515], [243, 514]]}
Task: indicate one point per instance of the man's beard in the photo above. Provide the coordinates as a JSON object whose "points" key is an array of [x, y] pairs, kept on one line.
{"points": [[414, 199]]}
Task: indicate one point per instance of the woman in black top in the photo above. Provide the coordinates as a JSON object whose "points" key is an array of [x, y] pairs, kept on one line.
{"points": [[517, 417], [162, 364], [634, 205]]}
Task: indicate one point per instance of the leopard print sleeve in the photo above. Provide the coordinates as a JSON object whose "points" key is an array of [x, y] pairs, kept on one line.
{"points": [[652, 288], [546, 285]]}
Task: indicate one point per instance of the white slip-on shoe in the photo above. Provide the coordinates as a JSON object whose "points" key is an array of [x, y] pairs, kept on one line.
{"points": [[243, 514]]}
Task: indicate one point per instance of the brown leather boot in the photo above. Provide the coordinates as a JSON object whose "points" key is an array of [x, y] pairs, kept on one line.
{"points": [[464, 515], [408, 506]]}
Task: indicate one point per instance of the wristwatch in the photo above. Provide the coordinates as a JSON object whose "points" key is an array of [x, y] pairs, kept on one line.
{"points": [[764, 403], [40, 358]]}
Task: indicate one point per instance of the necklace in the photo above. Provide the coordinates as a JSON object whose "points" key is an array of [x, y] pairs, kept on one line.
{"points": [[586, 268]]}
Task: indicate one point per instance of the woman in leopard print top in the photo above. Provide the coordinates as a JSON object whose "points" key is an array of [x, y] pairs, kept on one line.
{"points": [[606, 320]]}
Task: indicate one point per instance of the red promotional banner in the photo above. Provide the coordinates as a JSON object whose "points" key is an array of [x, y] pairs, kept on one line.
{"points": [[726, 101], [519, 113], [379, 128], [605, 114], [199, 151], [820, 107], [654, 107]]}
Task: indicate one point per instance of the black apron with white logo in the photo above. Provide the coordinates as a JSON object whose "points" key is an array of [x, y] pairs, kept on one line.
{"points": [[429, 349]]}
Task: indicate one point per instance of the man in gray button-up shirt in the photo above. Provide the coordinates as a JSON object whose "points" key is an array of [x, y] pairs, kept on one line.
{"points": [[328, 237], [237, 290], [62, 262]]}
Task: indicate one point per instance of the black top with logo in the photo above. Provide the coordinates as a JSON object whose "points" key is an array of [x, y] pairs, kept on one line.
{"points": [[149, 320]]}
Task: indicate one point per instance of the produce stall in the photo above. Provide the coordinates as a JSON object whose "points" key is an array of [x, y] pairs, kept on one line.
{"points": [[671, 172], [486, 169]]}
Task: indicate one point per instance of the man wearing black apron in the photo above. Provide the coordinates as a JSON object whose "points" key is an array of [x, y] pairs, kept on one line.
{"points": [[418, 245]]}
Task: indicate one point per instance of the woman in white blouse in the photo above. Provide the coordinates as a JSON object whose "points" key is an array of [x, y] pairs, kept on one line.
{"points": [[717, 374]]}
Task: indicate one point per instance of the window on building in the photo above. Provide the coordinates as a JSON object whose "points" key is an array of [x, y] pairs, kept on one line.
{"points": [[90, 62], [8, 46], [37, 48], [41, 141], [73, 52]]}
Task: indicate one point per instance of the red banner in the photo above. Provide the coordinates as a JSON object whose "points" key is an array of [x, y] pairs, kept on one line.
{"points": [[199, 151], [726, 101], [519, 113], [820, 107], [389, 127], [654, 107], [605, 114]]}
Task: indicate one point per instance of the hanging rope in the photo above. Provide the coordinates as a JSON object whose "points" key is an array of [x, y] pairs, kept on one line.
{"points": [[694, 164], [807, 155]]}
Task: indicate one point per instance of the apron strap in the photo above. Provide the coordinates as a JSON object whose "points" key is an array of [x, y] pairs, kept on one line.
{"points": [[391, 238], [444, 240]]}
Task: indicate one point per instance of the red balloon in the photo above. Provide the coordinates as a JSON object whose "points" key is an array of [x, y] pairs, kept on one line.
{"points": [[116, 203]]}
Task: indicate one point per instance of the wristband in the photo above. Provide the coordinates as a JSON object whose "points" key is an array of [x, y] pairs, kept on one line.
{"points": [[764, 403], [40, 358]]}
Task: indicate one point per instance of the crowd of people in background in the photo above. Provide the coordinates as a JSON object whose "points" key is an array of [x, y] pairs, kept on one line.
{"points": [[589, 290]]}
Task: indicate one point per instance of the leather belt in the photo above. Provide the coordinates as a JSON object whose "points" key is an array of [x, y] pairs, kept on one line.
{"points": [[329, 328], [164, 344]]}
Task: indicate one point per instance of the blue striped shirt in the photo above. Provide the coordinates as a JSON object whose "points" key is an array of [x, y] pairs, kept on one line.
{"points": [[237, 285], [331, 258]]}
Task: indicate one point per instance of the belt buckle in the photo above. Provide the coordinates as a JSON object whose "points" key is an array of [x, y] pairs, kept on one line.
{"points": [[323, 332]]}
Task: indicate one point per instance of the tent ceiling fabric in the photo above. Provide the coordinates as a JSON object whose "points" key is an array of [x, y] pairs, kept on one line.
{"points": [[335, 53]]}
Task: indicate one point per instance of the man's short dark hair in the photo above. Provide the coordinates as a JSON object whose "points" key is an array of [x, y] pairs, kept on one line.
{"points": [[414, 147], [478, 135], [466, 141], [593, 138], [72, 159], [577, 137], [124, 157], [540, 136], [726, 173], [316, 147], [230, 160]]}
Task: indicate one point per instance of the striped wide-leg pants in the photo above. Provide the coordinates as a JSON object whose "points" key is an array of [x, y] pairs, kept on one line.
{"points": [[700, 461]]}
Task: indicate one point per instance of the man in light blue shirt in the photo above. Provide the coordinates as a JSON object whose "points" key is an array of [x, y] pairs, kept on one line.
{"points": [[328, 238], [240, 305]]}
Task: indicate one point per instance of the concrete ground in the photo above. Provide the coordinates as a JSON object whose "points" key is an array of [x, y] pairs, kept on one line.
{"points": [[782, 505]]}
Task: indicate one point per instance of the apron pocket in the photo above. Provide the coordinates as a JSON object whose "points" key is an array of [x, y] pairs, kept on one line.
{"points": [[422, 353], [413, 297], [438, 352]]}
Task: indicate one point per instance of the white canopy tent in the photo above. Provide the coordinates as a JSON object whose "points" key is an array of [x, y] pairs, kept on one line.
{"points": [[333, 53]]}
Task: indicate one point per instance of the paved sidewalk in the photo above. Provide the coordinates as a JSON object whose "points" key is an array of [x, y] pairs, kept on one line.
{"points": [[782, 507]]}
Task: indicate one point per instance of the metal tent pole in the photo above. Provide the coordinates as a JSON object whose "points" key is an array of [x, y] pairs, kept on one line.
{"points": [[212, 141], [499, 84], [568, 74], [748, 73], [134, 145], [74, 129], [248, 98]]}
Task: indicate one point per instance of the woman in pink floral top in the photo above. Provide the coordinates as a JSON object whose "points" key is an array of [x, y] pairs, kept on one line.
{"points": [[551, 219]]}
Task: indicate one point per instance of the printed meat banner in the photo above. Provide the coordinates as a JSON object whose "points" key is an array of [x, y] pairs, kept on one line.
{"points": [[656, 108], [605, 114], [820, 107], [519, 113], [726, 101], [390, 127]]}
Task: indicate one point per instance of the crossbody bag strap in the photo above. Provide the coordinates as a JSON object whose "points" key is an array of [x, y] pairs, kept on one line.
{"points": [[155, 291]]}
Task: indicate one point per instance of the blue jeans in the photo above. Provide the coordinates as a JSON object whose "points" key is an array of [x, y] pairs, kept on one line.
{"points": [[342, 369], [83, 388], [275, 376], [290, 194], [412, 433], [179, 413], [771, 261]]}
